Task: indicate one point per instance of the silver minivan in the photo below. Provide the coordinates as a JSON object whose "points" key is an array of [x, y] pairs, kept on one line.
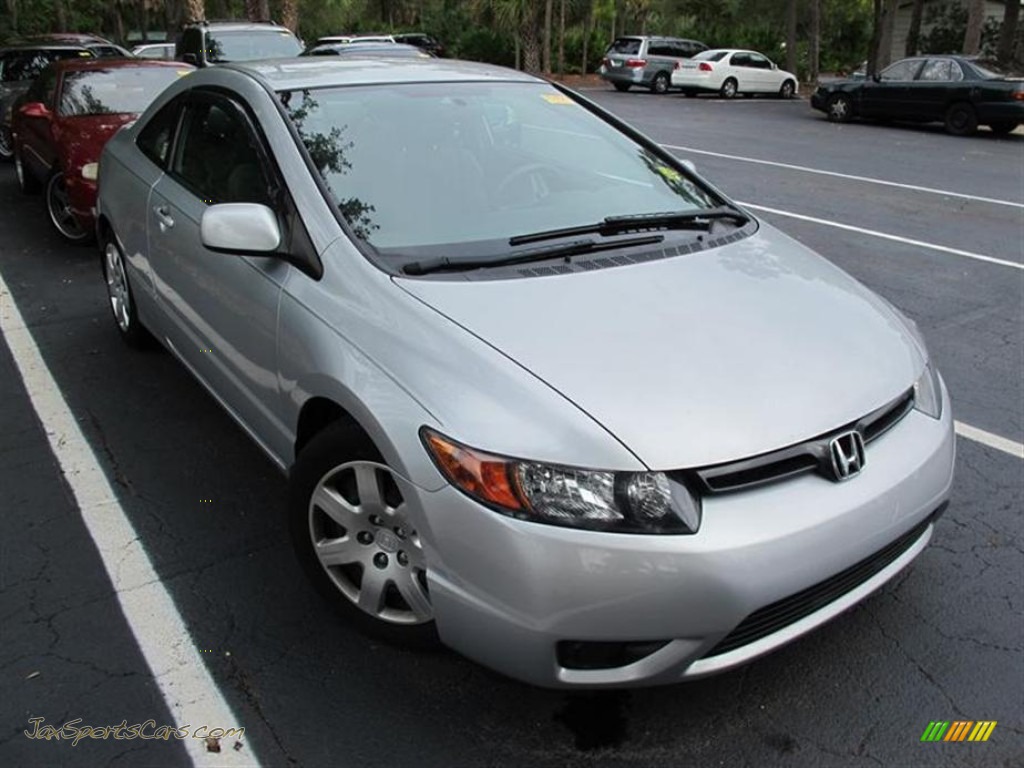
{"points": [[646, 61]]}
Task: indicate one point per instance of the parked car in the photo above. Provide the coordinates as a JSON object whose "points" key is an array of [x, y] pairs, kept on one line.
{"points": [[424, 42], [100, 47], [164, 51], [647, 62], [405, 272], [729, 72], [345, 39], [19, 66], [203, 43], [62, 122], [364, 50], [960, 92]]}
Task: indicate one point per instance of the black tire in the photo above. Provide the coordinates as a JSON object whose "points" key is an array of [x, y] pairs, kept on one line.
{"points": [[6, 144], [1003, 128], [59, 209], [729, 88], [840, 108], [120, 296], [317, 467], [961, 119], [622, 87], [788, 90], [660, 84], [28, 183]]}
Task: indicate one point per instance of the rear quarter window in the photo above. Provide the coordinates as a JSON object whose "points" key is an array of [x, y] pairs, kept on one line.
{"points": [[629, 46]]}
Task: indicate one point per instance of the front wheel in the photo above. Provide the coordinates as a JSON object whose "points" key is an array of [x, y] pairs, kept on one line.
{"points": [[58, 205], [352, 533], [840, 108], [788, 90], [729, 89], [660, 83], [120, 297], [961, 120], [6, 144], [1002, 128]]}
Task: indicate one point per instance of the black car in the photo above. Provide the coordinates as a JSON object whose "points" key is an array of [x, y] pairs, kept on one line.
{"points": [[959, 91], [19, 65], [202, 43], [424, 42]]}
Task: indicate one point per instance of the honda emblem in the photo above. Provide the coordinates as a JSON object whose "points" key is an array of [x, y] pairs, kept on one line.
{"points": [[847, 452]]}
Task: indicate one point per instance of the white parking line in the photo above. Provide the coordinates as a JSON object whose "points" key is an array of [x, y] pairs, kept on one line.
{"points": [[992, 441], [163, 638], [850, 177], [887, 236]]}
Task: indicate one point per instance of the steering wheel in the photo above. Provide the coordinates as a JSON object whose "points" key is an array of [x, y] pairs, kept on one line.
{"points": [[508, 192]]}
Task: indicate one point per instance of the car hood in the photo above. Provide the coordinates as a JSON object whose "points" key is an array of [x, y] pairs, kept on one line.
{"points": [[698, 359]]}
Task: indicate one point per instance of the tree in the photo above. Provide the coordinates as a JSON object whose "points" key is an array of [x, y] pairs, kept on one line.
{"points": [[548, 13], [876, 38], [289, 14], [975, 21], [914, 31], [195, 10], [1008, 33], [889, 12], [791, 16], [814, 52]]}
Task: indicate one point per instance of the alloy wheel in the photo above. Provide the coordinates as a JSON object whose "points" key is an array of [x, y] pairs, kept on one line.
{"points": [[58, 204], [363, 539], [117, 287], [6, 145]]}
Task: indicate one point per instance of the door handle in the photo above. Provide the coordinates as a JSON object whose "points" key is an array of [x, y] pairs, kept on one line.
{"points": [[163, 217]]}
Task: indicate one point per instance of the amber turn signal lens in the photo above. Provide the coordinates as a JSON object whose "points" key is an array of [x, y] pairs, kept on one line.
{"points": [[479, 474]]}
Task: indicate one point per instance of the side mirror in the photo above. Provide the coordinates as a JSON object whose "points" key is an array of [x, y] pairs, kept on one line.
{"points": [[36, 109], [688, 165], [774, 65], [240, 228], [191, 58]]}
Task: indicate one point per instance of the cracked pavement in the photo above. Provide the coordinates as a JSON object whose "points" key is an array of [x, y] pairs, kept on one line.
{"points": [[941, 641]]}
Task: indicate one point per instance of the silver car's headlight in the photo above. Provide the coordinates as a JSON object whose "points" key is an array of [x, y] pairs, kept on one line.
{"points": [[622, 502], [928, 392]]}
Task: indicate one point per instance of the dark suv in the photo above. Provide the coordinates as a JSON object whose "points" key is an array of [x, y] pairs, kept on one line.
{"points": [[19, 66], [203, 43], [646, 61]]}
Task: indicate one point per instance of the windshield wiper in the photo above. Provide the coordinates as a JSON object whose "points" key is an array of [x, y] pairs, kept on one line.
{"points": [[563, 250], [701, 219]]}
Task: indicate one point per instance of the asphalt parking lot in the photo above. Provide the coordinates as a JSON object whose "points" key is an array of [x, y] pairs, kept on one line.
{"points": [[931, 222]]}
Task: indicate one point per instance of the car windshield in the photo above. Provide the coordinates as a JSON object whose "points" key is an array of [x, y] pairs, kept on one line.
{"points": [[629, 46], [464, 166], [710, 56], [250, 44], [115, 91]]}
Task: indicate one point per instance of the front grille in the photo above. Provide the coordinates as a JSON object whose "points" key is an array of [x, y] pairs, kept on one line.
{"points": [[809, 456], [770, 619]]}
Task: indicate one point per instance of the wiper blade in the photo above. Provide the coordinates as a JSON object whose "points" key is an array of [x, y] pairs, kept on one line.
{"points": [[674, 220], [612, 225], [563, 250]]}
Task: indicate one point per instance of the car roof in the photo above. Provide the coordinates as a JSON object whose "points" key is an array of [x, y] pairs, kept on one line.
{"points": [[43, 47], [348, 49], [325, 71], [248, 26]]}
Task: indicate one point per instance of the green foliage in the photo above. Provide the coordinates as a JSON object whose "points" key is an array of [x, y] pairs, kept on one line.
{"points": [[947, 25]]}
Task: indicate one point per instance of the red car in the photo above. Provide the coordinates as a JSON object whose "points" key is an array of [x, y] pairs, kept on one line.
{"points": [[61, 124]]}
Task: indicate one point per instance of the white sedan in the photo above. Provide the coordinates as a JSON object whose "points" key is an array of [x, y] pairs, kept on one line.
{"points": [[729, 72]]}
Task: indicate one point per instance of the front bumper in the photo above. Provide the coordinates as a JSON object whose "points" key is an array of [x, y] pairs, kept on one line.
{"points": [[506, 592]]}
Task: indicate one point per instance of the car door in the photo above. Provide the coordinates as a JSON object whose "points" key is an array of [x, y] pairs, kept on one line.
{"points": [[36, 133], [762, 75], [938, 84], [740, 70], [221, 310], [889, 95]]}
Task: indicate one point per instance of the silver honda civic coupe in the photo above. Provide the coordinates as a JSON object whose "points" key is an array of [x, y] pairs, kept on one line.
{"points": [[541, 392]]}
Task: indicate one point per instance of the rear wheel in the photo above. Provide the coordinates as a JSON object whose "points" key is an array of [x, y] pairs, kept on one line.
{"points": [[1002, 128], [961, 120], [840, 108], [728, 89], [788, 90], [58, 205], [660, 83], [353, 536], [623, 87]]}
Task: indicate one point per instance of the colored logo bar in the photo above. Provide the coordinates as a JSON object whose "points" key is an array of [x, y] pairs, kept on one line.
{"points": [[959, 730]]}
